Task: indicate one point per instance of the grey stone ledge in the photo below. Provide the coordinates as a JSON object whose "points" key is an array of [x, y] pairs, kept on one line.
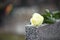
{"points": [[45, 32]]}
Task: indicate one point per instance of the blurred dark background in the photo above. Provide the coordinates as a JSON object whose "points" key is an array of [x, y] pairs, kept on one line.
{"points": [[15, 14], [23, 3]]}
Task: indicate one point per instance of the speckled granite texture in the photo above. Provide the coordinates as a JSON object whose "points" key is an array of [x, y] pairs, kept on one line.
{"points": [[48, 32]]}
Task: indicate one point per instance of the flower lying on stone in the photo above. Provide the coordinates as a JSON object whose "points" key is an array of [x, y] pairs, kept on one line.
{"points": [[36, 19]]}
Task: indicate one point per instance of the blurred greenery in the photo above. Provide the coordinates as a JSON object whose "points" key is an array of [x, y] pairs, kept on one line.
{"points": [[56, 14], [50, 17], [5, 36]]}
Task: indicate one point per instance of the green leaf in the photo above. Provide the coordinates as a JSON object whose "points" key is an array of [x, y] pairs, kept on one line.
{"points": [[48, 17], [56, 14]]}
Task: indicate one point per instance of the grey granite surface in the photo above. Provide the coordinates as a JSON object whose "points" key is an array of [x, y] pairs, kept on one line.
{"points": [[47, 32]]}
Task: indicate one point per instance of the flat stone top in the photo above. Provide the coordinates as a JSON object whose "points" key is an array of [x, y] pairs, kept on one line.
{"points": [[48, 32]]}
